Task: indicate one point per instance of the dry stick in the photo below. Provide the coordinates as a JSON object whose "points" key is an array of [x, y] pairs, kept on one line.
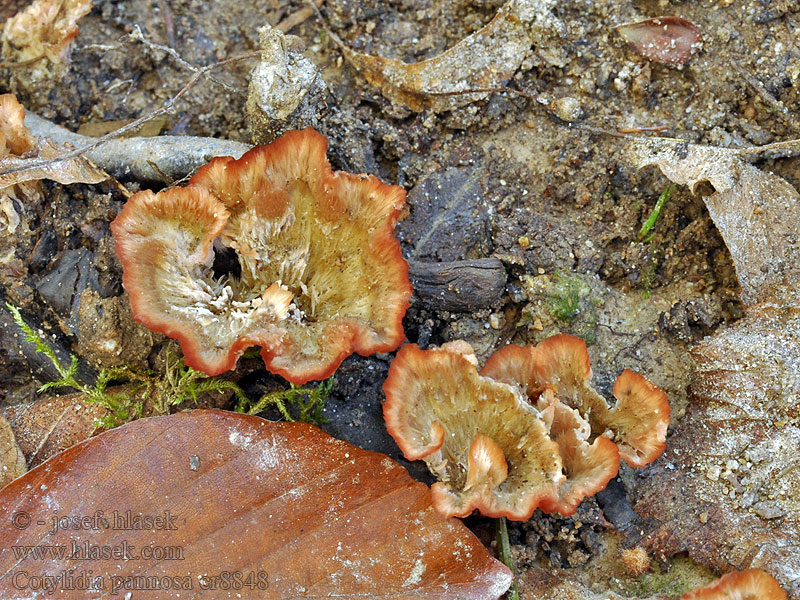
{"points": [[163, 158], [36, 164], [169, 22], [137, 36], [296, 18]]}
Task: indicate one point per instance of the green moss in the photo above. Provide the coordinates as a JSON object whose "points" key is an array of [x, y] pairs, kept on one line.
{"points": [[648, 275], [564, 296], [177, 385], [295, 404], [682, 575]]}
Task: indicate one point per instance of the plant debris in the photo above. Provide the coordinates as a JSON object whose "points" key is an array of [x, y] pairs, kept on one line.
{"points": [[311, 515], [485, 59], [666, 40], [12, 460], [16, 169], [45, 29], [732, 494], [286, 90]]}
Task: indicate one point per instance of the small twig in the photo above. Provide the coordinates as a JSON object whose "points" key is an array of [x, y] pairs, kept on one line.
{"points": [[22, 63], [297, 17], [642, 129], [137, 36], [169, 22], [134, 124], [315, 10], [762, 91], [614, 331]]}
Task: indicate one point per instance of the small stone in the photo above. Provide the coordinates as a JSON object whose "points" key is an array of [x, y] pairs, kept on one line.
{"points": [[524, 241], [566, 108], [703, 517], [194, 462]]}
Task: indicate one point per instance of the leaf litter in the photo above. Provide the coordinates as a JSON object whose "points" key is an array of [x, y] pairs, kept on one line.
{"points": [[728, 490], [666, 40], [310, 515], [484, 59]]}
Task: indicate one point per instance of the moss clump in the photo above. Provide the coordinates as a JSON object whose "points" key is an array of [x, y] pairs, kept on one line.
{"points": [[140, 388], [565, 294], [304, 404]]}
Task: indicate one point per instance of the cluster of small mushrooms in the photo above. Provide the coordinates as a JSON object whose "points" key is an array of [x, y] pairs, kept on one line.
{"points": [[319, 275]]}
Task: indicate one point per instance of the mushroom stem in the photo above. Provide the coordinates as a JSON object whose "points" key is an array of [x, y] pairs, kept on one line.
{"points": [[504, 552]]}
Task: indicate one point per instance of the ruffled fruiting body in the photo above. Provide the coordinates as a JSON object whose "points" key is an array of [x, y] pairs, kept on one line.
{"points": [[526, 432], [317, 273]]}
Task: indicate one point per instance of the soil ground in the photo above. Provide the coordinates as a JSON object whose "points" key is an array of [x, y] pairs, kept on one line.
{"points": [[559, 206]]}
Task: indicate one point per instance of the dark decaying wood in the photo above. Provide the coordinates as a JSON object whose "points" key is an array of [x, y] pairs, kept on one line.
{"points": [[458, 286]]}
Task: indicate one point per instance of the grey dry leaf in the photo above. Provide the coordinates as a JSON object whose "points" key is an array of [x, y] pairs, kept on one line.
{"points": [[756, 212], [15, 169], [667, 40], [730, 494], [484, 59], [12, 461]]}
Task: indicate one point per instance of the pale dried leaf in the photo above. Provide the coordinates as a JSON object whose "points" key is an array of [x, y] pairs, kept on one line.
{"points": [[728, 489], [731, 492], [15, 170], [12, 461], [317, 516], [756, 212], [667, 40], [485, 59]]}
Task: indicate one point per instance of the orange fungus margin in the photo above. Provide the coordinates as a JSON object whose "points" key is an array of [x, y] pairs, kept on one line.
{"points": [[318, 273]]}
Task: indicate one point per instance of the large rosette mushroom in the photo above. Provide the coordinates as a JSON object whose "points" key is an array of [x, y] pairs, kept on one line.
{"points": [[319, 274], [526, 432]]}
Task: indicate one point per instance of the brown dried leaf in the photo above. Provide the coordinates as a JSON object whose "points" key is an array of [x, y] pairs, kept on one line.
{"points": [[49, 425], [485, 59], [12, 461], [315, 515], [728, 490], [667, 40]]}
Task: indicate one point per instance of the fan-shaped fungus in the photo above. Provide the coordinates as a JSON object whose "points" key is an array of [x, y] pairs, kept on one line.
{"points": [[753, 584], [319, 273], [488, 446], [639, 419], [526, 432]]}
